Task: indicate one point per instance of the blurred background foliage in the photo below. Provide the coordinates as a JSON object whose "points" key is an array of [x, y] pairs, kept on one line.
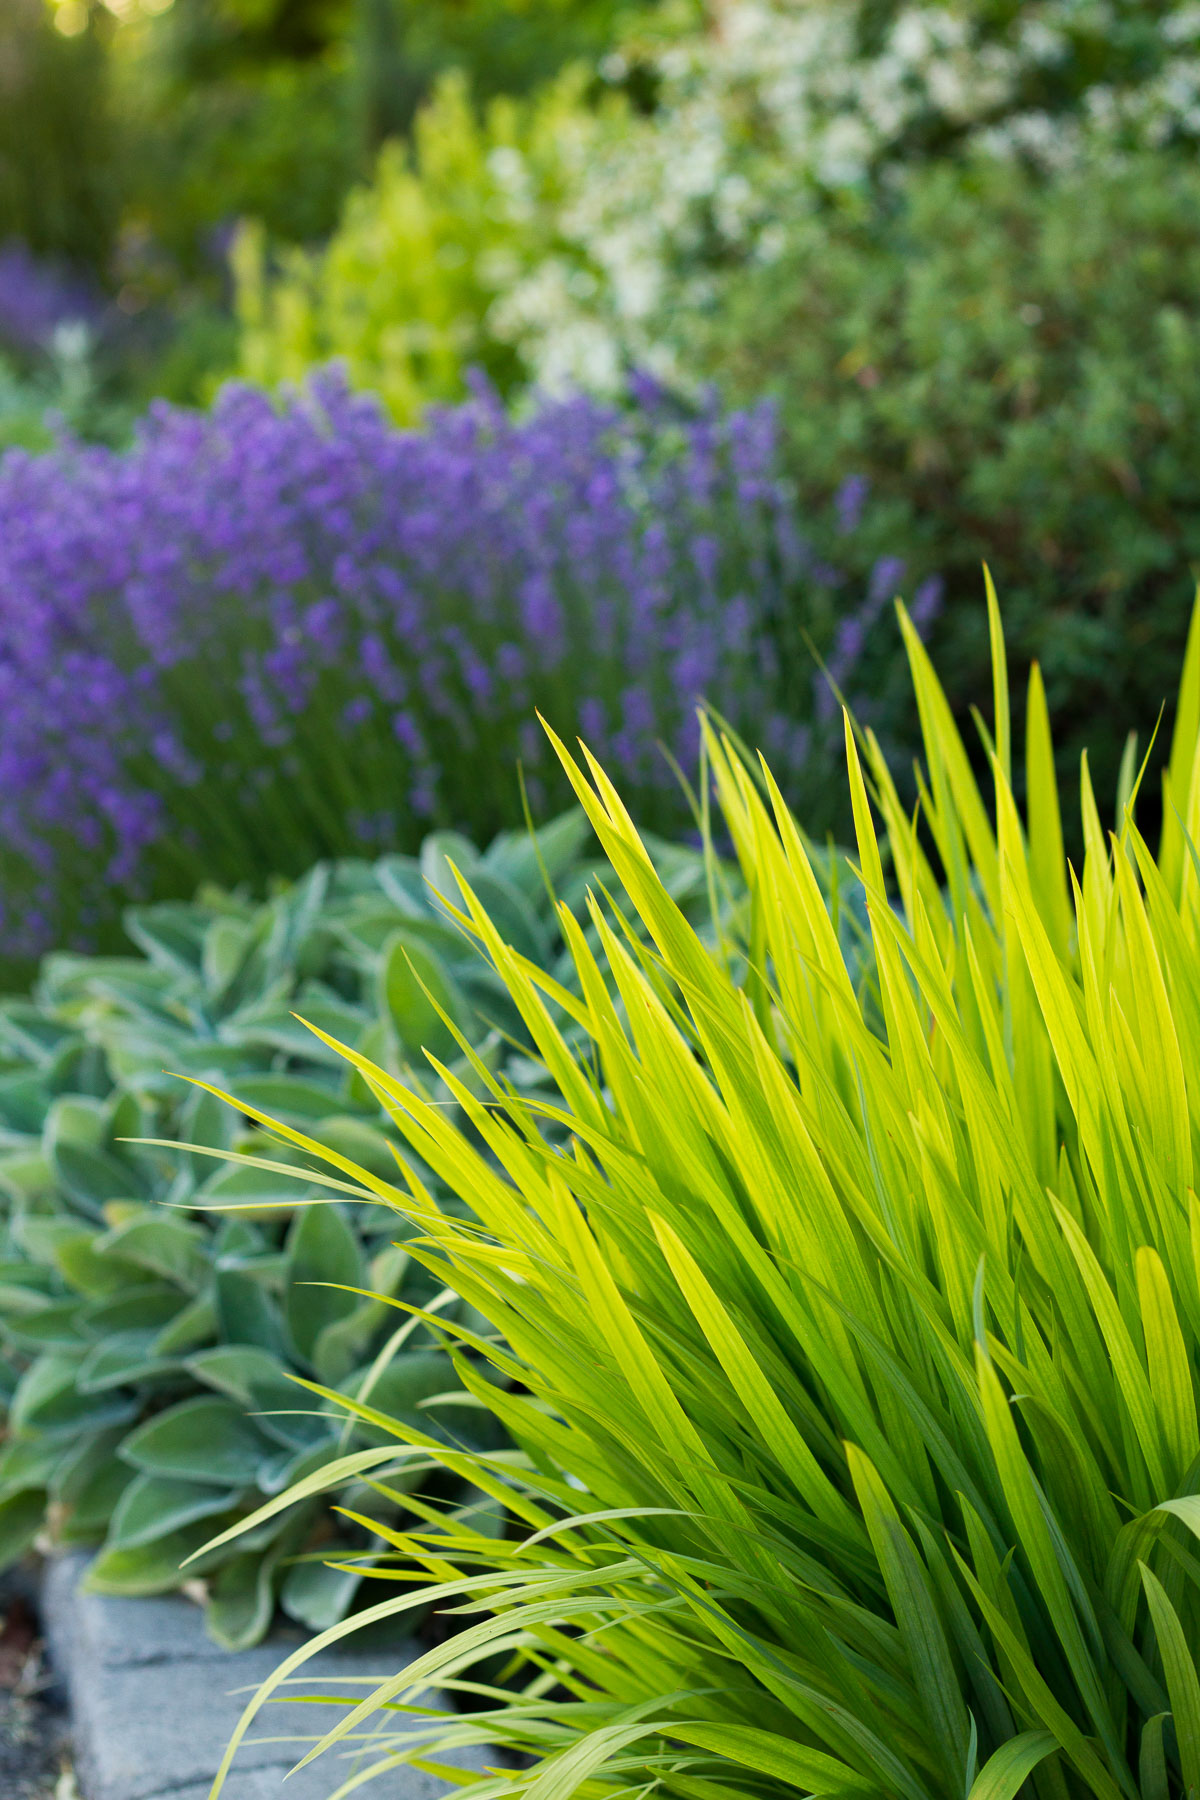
{"points": [[171, 118], [1010, 367], [58, 139], [955, 243], [135, 135]]}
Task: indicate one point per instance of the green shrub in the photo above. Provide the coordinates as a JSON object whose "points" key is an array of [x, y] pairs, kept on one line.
{"points": [[403, 47], [272, 111], [274, 143], [852, 1344], [147, 1350], [402, 292], [64, 387], [22, 411], [993, 329], [1012, 365], [761, 110], [600, 242]]}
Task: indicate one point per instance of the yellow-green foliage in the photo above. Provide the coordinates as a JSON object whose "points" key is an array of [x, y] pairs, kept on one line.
{"points": [[403, 290], [847, 1332]]}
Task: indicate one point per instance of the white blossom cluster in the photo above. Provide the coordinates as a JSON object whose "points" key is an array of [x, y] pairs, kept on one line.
{"points": [[775, 101]]}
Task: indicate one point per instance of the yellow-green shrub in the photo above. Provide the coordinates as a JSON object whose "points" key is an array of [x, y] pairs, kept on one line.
{"points": [[403, 290]]}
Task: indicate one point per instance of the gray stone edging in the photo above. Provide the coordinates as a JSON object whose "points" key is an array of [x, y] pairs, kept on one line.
{"points": [[153, 1705]]}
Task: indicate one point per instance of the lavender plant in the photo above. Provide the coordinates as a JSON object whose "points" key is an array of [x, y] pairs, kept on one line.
{"points": [[38, 298], [347, 629]]}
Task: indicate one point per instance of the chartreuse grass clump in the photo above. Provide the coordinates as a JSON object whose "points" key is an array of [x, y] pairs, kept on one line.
{"points": [[850, 1348]]}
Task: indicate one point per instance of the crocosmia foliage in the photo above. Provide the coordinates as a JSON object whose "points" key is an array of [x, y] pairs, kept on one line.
{"points": [[349, 627], [851, 1346]]}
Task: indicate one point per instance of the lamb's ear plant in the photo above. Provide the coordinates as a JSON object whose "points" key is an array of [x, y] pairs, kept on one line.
{"points": [[847, 1333], [144, 1352]]}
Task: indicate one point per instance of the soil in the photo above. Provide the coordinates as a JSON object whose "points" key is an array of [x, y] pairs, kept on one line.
{"points": [[34, 1755]]}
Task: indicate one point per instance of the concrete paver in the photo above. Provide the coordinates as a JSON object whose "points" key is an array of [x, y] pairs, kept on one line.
{"points": [[153, 1703]]}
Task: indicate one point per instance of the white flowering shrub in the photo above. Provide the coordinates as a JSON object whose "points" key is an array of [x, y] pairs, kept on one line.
{"points": [[564, 237], [773, 105]]}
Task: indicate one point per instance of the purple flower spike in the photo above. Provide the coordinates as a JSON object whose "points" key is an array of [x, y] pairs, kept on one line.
{"points": [[849, 501], [927, 603], [284, 629]]}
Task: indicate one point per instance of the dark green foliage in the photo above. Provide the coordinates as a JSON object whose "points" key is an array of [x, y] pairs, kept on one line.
{"points": [[57, 138], [271, 111], [148, 1347], [505, 46], [1012, 362], [274, 143], [399, 48]]}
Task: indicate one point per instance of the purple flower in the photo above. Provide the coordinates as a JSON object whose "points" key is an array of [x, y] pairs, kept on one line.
{"points": [[694, 670], [851, 636], [324, 623], [849, 501], [927, 603], [407, 732], [541, 618], [282, 629], [510, 664], [886, 577], [593, 728], [637, 709], [36, 297]]}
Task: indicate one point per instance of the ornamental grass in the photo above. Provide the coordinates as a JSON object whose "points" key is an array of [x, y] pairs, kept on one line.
{"points": [[845, 1330]]}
